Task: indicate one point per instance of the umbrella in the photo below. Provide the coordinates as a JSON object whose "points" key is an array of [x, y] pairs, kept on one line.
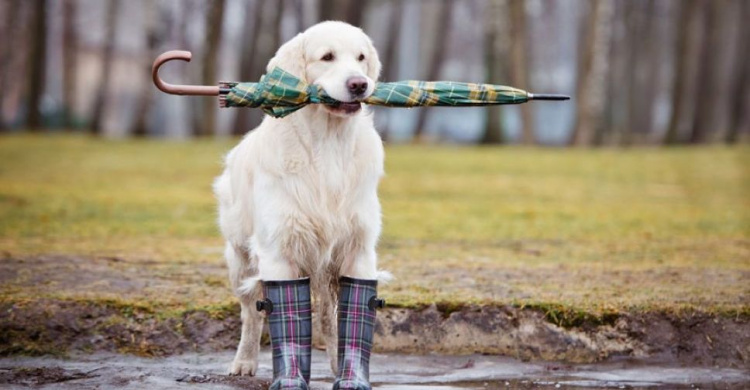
{"points": [[280, 93]]}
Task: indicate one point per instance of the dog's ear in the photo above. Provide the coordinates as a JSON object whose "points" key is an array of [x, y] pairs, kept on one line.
{"points": [[291, 57], [373, 62]]}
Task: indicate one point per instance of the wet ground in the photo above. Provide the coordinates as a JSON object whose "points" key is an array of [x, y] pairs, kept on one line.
{"points": [[115, 371]]}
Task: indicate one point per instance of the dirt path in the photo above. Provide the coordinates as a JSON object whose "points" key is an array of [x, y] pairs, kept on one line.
{"points": [[105, 371]]}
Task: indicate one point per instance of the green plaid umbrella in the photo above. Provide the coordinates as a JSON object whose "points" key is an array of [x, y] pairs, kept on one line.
{"points": [[280, 93]]}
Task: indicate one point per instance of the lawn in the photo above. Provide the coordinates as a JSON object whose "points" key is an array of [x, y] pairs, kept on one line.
{"points": [[593, 230]]}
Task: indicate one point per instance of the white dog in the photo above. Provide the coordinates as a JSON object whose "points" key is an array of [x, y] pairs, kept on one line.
{"points": [[298, 196]]}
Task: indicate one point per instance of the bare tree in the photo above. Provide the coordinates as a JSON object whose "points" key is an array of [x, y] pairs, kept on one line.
{"points": [[38, 65], [439, 51], [519, 65], [299, 14], [70, 55], [355, 11], [251, 34], [739, 117], [707, 76], [102, 95], [214, 27], [154, 31], [495, 49], [591, 90], [391, 44], [13, 8], [327, 9], [688, 34]]}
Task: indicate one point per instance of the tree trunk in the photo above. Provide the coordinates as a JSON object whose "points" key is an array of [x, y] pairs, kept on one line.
{"points": [[214, 23], [439, 52], [355, 11], [687, 40], [153, 38], [388, 57], [493, 55], [592, 81], [327, 10], [740, 93], [390, 66], [102, 95], [13, 8], [251, 33], [706, 99], [38, 65], [70, 55], [299, 14], [519, 64]]}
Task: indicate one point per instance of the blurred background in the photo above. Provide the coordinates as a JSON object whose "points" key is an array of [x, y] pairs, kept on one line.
{"points": [[639, 71]]}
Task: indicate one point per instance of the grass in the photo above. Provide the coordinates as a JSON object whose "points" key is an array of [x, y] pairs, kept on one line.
{"points": [[556, 229]]}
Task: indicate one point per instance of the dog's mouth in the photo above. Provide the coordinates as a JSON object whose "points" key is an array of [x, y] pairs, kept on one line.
{"points": [[344, 108]]}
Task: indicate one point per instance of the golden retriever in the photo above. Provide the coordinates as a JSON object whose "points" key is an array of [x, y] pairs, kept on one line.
{"points": [[298, 196]]}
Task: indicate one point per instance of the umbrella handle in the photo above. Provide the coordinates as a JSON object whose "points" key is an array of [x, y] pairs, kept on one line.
{"points": [[200, 90]]}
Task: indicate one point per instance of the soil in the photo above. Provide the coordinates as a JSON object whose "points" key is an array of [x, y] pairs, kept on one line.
{"points": [[36, 326], [388, 371]]}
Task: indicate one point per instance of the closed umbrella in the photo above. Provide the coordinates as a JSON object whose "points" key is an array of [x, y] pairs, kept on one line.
{"points": [[280, 93]]}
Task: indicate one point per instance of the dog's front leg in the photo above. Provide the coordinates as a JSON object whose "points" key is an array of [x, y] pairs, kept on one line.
{"points": [[246, 360]]}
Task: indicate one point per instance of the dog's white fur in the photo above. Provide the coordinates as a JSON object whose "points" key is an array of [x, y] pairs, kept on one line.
{"points": [[298, 196]]}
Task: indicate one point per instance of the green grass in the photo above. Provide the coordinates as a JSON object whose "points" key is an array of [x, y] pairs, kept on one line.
{"points": [[592, 230]]}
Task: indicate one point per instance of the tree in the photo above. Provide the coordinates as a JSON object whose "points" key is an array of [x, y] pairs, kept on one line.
{"points": [[519, 64], [70, 55], [494, 50], [251, 33], [591, 90], [355, 11], [38, 65], [327, 10], [704, 109], [154, 35], [439, 51], [740, 93], [6, 59], [688, 34], [102, 95], [214, 27]]}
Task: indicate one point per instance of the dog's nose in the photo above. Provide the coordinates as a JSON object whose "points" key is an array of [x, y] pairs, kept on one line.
{"points": [[357, 85]]}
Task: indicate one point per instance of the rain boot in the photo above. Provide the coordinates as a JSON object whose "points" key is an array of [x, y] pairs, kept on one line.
{"points": [[357, 303], [287, 306]]}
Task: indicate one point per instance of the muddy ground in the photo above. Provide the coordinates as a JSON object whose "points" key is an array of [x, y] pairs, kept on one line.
{"points": [[59, 327], [41, 318], [388, 372]]}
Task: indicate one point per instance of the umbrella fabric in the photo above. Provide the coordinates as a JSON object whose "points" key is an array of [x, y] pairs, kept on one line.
{"points": [[280, 93]]}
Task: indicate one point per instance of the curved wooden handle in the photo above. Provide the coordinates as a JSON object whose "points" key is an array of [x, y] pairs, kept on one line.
{"points": [[200, 90]]}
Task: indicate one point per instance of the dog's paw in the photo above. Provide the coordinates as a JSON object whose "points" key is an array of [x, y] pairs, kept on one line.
{"points": [[243, 367]]}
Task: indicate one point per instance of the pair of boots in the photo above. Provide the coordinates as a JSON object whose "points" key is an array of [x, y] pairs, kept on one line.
{"points": [[287, 306]]}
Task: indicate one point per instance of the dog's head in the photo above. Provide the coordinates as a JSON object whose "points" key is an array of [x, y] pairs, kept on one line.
{"points": [[337, 56]]}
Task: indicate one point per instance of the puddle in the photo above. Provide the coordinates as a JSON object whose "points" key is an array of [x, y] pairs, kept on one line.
{"points": [[392, 372]]}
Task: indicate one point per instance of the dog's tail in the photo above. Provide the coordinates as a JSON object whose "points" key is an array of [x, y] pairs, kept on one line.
{"points": [[384, 277]]}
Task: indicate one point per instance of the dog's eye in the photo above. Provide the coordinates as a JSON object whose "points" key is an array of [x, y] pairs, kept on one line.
{"points": [[361, 57], [328, 57]]}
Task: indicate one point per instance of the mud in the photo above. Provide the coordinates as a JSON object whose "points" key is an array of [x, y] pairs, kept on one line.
{"points": [[56, 327], [388, 371]]}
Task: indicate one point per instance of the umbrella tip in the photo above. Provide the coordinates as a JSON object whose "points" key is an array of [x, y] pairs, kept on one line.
{"points": [[547, 96]]}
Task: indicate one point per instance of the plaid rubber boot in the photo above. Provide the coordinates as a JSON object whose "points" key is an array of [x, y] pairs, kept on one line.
{"points": [[287, 306], [357, 303]]}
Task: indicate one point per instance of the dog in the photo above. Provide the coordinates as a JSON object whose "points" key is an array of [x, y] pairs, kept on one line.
{"points": [[298, 195]]}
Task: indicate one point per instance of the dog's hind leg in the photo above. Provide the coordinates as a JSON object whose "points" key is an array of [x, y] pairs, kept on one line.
{"points": [[242, 267]]}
